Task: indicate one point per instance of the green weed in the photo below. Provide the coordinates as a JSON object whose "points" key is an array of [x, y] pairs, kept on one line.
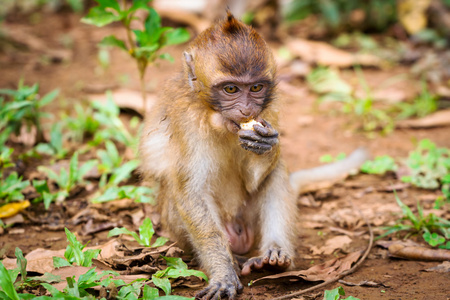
{"points": [[25, 107], [428, 226], [380, 165], [335, 294], [424, 104], [146, 233], [142, 45]]}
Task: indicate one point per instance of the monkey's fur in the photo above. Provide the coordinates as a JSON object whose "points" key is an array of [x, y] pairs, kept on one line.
{"points": [[222, 188]]}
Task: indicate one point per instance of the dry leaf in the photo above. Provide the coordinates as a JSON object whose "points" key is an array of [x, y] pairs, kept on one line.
{"points": [[129, 99], [400, 250], [324, 54], [437, 119], [413, 14], [442, 268], [327, 271], [331, 245], [364, 283]]}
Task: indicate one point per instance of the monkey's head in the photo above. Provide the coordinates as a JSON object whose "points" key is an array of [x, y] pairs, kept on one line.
{"points": [[232, 70]]}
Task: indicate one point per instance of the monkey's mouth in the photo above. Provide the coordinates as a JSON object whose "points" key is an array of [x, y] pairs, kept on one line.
{"points": [[232, 126]]}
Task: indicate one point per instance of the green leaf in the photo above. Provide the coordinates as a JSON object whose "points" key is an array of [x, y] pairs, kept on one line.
{"points": [[152, 25], [111, 40], [52, 290], [118, 231], [176, 36], [7, 284], [48, 98], [334, 294], [175, 262], [162, 283], [99, 17], [47, 277], [150, 293], [59, 262], [21, 263], [167, 56], [160, 241], [123, 172], [146, 231]]}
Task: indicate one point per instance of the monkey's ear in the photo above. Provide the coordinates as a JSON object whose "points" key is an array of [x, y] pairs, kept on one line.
{"points": [[190, 68]]}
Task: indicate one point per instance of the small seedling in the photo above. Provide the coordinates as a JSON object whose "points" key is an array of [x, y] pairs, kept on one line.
{"points": [[140, 194], [142, 45], [66, 181], [74, 253], [328, 158], [427, 225], [335, 294], [146, 233], [82, 125], [427, 164], [424, 104], [380, 165], [55, 147], [25, 107], [11, 188]]}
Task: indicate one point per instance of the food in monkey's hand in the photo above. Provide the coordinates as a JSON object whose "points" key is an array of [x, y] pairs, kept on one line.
{"points": [[249, 125]]}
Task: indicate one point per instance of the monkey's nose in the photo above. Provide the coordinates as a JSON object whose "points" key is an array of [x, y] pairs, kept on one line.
{"points": [[245, 113]]}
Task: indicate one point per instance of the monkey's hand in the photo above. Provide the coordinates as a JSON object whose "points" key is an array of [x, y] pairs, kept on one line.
{"points": [[274, 257], [219, 288], [260, 140]]}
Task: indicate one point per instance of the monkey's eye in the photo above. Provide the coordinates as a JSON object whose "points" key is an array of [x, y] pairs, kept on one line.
{"points": [[231, 89], [256, 88]]}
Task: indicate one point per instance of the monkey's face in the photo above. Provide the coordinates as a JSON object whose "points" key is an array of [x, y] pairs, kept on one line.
{"points": [[240, 99]]}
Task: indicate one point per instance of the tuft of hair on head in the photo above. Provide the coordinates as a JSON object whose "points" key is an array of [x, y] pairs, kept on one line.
{"points": [[231, 24]]}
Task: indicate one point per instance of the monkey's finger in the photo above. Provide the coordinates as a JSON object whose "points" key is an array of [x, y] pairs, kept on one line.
{"points": [[252, 136], [273, 261], [252, 264], [254, 147], [265, 131]]}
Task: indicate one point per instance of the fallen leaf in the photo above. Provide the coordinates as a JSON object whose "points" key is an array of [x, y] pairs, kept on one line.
{"points": [[13, 208], [438, 119], [400, 250], [327, 271], [331, 245], [412, 14], [127, 99], [16, 219], [324, 54], [442, 268]]}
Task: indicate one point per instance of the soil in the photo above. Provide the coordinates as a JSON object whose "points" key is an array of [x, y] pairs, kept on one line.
{"points": [[306, 135]]}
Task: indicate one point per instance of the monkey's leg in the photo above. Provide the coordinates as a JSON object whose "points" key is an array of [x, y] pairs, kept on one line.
{"points": [[208, 239], [278, 215]]}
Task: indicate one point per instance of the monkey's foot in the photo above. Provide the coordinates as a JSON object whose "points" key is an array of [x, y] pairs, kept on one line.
{"points": [[274, 257], [218, 289]]}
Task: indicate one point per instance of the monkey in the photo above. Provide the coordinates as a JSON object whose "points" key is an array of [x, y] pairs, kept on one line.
{"points": [[223, 190]]}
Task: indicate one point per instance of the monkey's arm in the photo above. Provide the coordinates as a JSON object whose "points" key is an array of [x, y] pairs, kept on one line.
{"points": [[331, 171], [205, 232], [278, 214]]}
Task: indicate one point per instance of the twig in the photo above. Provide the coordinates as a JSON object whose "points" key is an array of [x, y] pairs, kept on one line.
{"points": [[343, 274]]}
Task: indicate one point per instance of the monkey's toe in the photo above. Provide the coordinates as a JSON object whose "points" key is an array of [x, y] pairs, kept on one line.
{"points": [[275, 257], [219, 290]]}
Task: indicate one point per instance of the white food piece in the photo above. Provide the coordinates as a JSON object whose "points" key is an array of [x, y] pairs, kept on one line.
{"points": [[249, 125]]}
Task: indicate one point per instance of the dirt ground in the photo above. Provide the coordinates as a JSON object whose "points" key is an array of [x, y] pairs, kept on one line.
{"points": [[306, 135]]}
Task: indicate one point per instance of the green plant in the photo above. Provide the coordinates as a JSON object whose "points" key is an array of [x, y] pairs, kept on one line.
{"points": [[380, 165], [335, 294], [67, 180], [146, 233], [41, 187], [175, 268], [74, 253], [55, 147], [140, 194], [424, 104], [427, 225], [82, 125], [331, 88], [143, 45], [11, 188], [25, 107], [427, 165], [111, 126], [336, 14], [328, 158], [111, 165]]}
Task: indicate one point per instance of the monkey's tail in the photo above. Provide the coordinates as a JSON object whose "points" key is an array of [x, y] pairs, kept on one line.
{"points": [[329, 172]]}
